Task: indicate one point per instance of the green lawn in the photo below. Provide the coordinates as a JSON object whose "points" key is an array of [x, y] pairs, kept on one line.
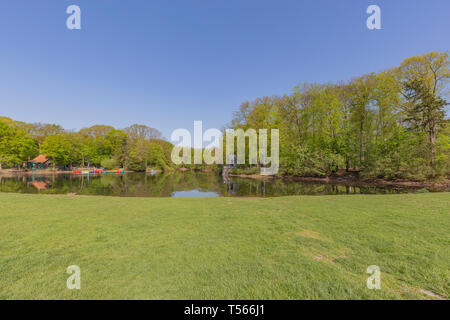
{"points": [[316, 247]]}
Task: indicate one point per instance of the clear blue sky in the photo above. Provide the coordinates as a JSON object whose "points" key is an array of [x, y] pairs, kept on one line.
{"points": [[166, 63]]}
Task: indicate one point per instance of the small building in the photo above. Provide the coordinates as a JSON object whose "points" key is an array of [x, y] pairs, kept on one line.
{"points": [[40, 162]]}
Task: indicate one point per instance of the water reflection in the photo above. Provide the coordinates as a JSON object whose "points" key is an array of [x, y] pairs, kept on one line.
{"points": [[177, 184], [194, 194]]}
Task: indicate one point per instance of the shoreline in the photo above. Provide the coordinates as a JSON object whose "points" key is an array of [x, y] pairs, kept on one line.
{"points": [[17, 173], [341, 180], [351, 181]]}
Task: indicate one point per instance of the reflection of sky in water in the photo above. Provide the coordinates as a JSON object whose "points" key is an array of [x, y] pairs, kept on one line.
{"points": [[194, 193]]}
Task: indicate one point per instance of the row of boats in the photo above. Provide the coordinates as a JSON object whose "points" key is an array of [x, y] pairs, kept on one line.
{"points": [[98, 171]]}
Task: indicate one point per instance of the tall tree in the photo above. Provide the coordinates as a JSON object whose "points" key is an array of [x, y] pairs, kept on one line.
{"points": [[425, 82], [425, 111], [140, 131], [59, 148], [15, 145], [39, 131]]}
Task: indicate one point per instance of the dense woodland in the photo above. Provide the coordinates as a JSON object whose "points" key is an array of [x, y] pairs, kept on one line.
{"points": [[135, 148], [390, 125]]}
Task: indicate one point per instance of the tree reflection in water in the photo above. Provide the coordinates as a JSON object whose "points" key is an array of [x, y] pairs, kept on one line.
{"points": [[168, 185]]}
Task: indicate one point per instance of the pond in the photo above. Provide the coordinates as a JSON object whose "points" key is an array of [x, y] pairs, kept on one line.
{"points": [[178, 184]]}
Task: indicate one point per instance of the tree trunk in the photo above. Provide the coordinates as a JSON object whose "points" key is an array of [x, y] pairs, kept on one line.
{"points": [[361, 147], [432, 135]]}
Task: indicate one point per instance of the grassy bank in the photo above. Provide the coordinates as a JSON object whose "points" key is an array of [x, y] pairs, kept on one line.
{"points": [[225, 248]]}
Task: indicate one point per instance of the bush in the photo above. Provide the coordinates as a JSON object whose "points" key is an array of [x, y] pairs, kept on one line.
{"points": [[110, 163], [135, 164], [302, 161]]}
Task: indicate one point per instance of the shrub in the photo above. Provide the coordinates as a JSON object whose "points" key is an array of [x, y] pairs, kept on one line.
{"points": [[110, 163]]}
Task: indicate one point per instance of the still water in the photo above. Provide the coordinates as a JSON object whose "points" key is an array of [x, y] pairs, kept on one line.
{"points": [[177, 184]]}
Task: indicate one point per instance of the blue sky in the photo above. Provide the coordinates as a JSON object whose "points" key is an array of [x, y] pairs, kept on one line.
{"points": [[166, 63]]}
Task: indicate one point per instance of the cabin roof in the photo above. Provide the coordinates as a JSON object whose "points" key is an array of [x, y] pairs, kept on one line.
{"points": [[41, 159]]}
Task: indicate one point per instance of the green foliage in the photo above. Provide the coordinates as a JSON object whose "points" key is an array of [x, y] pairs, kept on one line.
{"points": [[59, 148], [387, 125], [166, 147], [135, 162], [15, 145], [157, 157], [147, 153], [142, 132], [39, 131], [98, 145], [303, 161], [110, 163]]}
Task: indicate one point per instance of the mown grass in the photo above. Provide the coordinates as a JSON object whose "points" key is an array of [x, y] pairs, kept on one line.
{"points": [[224, 248]]}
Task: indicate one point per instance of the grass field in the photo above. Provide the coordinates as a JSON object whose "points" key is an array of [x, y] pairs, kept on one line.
{"points": [[316, 247]]}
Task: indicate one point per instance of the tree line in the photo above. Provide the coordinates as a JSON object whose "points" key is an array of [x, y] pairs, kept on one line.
{"points": [[390, 124], [135, 148]]}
